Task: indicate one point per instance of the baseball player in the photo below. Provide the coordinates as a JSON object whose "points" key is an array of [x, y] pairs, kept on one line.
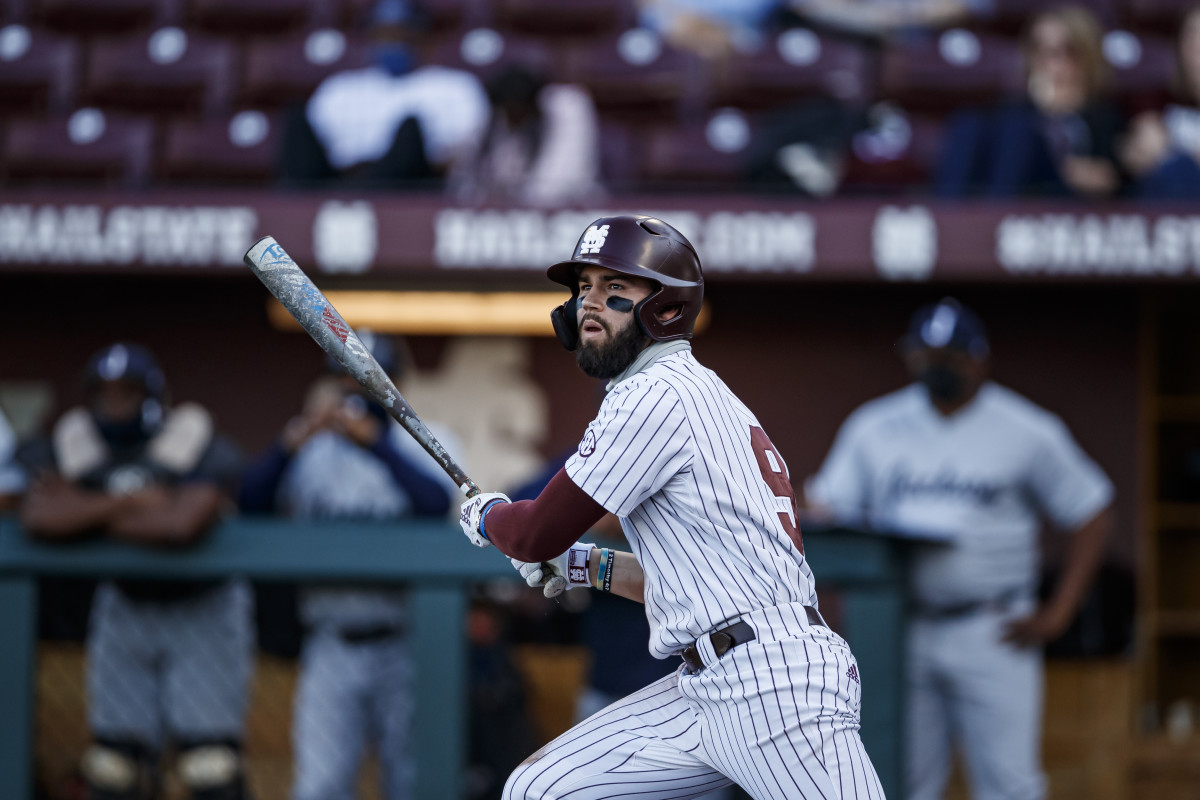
{"points": [[168, 662], [344, 458], [767, 695], [960, 457]]}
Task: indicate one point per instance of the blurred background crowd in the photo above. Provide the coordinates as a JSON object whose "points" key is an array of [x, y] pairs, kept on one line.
{"points": [[138, 411], [546, 102]]}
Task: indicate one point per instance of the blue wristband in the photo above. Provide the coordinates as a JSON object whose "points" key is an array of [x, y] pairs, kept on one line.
{"points": [[483, 515]]}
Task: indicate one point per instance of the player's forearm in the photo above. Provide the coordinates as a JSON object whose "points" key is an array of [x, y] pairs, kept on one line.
{"points": [[66, 513], [627, 580], [539, 530], [179, 517], [1083, 560]]}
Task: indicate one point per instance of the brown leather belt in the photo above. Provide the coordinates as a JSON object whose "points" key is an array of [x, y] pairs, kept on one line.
{"points": [[728, 638]]}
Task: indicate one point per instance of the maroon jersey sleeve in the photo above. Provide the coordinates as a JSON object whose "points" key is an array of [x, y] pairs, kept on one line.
{"points": [[538, 530]]}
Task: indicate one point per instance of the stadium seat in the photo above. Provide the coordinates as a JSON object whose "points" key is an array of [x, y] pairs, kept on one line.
{"points": [[958, 67], [37, 70], [1162, 16], [1011, 16], [1142, 66], [712, 155], [440, 15], [898, 156], [795, 64], [89, 16], [485, 50], [251, 16], [636, 71], [168, 68], [242, 148], [555, 17], [87, 145], [280, 71]]}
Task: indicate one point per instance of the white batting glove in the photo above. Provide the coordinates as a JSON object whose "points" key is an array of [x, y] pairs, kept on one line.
{"points": [[471, 516], [567, 571]]}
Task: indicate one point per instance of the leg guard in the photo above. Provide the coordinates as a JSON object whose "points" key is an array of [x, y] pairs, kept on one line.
{"points": [[117, 770], [212, 770]]}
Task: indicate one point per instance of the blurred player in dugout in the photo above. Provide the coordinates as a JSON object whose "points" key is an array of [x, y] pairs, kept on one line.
{"points": [[168, 662], [343, 458], [956, 456]]}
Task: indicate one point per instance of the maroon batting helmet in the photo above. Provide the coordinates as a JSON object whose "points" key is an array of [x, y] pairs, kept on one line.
{"points": [[641, 246]]}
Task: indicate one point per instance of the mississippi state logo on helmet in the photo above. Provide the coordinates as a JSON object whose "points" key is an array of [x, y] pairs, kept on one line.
{"points": [[648, 248]]}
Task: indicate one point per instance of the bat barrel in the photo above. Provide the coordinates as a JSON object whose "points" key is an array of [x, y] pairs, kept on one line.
{"points": [[267, 259]]}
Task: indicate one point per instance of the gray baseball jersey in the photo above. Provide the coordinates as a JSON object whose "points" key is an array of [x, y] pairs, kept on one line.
{"points": [[983, 477]]}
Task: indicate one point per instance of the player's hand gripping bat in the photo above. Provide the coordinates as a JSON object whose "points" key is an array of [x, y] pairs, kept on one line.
{"points": [[304, 301]]}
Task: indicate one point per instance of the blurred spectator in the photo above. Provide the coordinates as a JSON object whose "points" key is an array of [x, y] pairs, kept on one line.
{"points": [[12, 477], [541, 145], [168, 662], [392, 124], [957, 457], [889, 18], [1162, 150], [343, 458], [1060, 140], [713, 29]]}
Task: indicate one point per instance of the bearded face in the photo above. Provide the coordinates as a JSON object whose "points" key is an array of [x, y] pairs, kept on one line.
{"points": [[607, 357]]}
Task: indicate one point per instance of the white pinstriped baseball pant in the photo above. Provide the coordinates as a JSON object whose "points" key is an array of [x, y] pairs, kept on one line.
{"points": [[779, 716]]}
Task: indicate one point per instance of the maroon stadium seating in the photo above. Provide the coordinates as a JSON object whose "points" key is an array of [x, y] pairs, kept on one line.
{"points": [[485, 50], [635, 72], [1160, 15], [439, 14], [255, 16], [88, 16], [87, 145], [794, 64], [890, 161], [37, 70], [280, 71], [1011, 16], [241, 148], [709, 155], [165, 69], [958, 67], [1142, 66], [556, 17]]}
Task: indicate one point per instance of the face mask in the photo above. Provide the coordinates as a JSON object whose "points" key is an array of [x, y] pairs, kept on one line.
{"points": [[134, 431], [396, 58], [944, 384]]}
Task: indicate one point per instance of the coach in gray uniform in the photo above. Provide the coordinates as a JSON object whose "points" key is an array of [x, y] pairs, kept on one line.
{"points": [[168, 662], [956, 455], [343, 458]]}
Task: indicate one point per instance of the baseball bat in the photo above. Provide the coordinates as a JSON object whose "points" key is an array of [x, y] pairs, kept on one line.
{"points": [[267, 259]]}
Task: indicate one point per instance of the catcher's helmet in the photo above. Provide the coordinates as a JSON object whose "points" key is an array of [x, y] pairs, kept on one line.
{"points": [[641, 246], [124, 361], [949, 325]]}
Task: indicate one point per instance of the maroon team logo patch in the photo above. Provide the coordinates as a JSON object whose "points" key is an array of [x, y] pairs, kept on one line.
{"points": [[588, 445]]}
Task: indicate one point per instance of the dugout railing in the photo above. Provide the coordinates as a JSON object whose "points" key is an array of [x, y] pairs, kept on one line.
{"points": [[432, 559]]}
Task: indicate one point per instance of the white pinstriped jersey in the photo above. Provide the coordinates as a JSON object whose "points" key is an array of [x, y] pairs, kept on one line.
{"points": [[703, 497]]}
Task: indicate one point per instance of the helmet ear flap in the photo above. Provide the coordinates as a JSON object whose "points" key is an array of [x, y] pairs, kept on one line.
{"points": [[565, 320]]}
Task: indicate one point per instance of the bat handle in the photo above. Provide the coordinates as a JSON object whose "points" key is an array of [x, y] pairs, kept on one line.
{"points": [[470, 488]]}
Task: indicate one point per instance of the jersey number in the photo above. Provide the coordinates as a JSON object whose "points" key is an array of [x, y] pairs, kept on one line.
{"points": [[771, 466]]}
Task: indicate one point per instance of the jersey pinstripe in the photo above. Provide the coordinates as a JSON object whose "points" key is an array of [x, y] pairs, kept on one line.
{"points": [[703, 498]]}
